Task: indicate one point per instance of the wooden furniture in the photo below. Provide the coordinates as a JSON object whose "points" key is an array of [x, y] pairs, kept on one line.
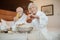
{"points": [[7, 15], [8, 8], [13, 4]]}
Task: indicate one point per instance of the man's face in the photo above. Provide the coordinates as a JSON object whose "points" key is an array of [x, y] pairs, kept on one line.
{"points": [[19, 10], [32, 9]]}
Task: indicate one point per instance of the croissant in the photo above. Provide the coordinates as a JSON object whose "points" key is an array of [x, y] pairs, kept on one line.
{"points": [[29, 20]]}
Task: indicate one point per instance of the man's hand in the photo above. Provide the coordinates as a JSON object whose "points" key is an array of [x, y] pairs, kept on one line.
{"points": [[31, 17], [35, 16]]}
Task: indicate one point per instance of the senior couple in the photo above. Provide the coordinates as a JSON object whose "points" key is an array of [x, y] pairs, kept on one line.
{"points": [[35, 18]]}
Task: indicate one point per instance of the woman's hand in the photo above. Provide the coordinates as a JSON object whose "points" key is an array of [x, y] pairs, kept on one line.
{"points": [[15, 19]]}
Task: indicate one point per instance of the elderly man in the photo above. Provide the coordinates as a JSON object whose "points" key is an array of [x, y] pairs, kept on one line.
{"points": [[39, 20]]}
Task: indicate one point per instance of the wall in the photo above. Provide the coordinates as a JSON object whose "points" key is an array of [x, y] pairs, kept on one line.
{"points": [[54, 21]]}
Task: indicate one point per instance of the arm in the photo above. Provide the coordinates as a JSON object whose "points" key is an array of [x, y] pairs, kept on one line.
{"points": [[15, 19], [43, 19]]}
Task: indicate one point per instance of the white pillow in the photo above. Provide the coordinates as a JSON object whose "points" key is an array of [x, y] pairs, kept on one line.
{"points": [[3, 24]]}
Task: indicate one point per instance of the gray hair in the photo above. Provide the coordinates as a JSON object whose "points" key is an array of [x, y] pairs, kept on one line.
{"points": [[30, 4], [19, 8]]}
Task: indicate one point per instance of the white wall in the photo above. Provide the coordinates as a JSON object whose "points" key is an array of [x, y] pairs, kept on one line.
{"points": [[54, 21]]}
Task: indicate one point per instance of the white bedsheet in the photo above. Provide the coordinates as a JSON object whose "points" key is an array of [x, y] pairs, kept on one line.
{"points": [[22, 36], [31, 36]]}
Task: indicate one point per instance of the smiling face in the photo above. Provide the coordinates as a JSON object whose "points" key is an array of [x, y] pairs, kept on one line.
{"points": [[19, 10], [32, 8]]}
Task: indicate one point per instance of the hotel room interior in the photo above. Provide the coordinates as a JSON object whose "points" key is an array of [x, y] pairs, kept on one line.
{"points": [[8, 12]]}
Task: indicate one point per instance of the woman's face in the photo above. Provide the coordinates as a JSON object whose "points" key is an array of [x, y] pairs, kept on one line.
{"points": [[19, 10]]}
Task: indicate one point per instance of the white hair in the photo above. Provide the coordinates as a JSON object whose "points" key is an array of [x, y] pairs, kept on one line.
{"points": [[30, 4], [19, 8]]}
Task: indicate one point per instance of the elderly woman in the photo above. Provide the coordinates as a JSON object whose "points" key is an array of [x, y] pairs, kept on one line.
{"points": [[18, 18], [39, 20], [19, 11]]}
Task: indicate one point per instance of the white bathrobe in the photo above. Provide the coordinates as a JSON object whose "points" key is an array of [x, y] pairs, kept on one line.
{"points": [[41, 25], [19, 21]]}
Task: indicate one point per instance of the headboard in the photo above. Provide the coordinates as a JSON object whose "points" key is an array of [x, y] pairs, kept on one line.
{"points": [[7, 15], [8, 7]]}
